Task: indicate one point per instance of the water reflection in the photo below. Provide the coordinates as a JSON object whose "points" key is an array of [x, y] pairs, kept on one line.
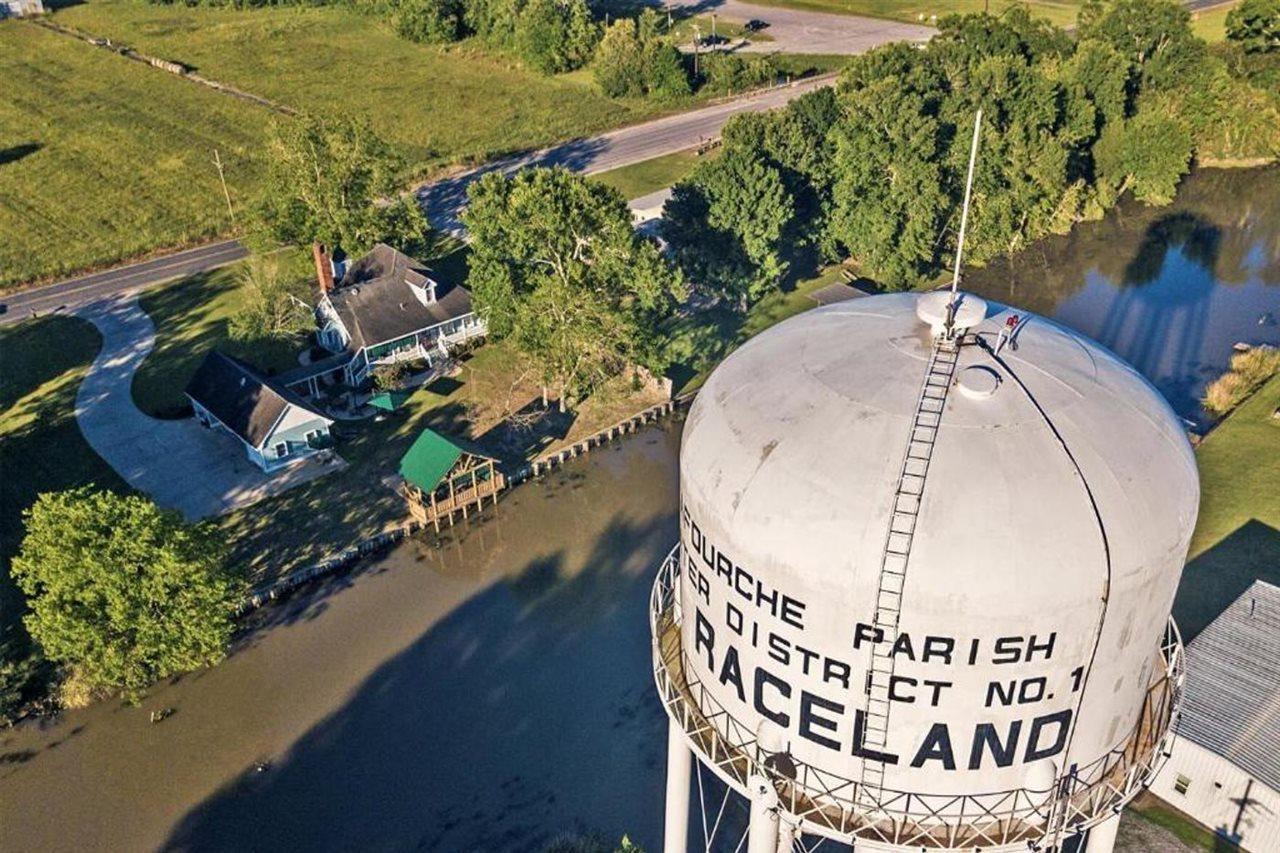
{"points": [[1169, 289]]}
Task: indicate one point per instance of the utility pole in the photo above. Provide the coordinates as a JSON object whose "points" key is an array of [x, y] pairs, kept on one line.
{"points": [[713, 27], [217, 161], [697, 37]]}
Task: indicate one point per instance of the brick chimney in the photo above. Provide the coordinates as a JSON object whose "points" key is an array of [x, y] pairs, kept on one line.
{"points": [[324, 267]]}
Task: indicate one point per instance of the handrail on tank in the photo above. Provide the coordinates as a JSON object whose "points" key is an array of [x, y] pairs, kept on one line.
{"points": [[841, 808]]}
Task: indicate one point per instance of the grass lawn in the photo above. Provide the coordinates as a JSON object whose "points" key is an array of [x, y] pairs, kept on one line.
{"points": [[732, 30], [41, 448], [1237, 538], [1153, 810], [102, 158], [191, 318], [1211, 24], [650, 175], [1061, 12]]}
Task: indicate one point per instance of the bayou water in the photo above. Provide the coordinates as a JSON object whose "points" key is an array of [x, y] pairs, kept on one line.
{"points": [[492, 691]]}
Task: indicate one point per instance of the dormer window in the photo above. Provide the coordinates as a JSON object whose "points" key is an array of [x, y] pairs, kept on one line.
{"points": [[425, 292]]}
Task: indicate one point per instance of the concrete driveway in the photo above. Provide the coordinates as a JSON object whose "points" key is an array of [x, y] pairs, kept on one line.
{"points": [[801, 31], [179, 464]]}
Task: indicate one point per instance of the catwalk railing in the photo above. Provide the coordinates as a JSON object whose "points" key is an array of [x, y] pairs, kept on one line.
{"points": [[838, 807]]}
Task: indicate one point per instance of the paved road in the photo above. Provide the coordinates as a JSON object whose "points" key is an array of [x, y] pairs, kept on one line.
{"points": [[180, 464], [802, 31], [84, 289], [443, 199]]}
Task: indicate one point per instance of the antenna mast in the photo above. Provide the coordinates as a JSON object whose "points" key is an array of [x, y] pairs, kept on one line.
{"points": [[964, 221]]}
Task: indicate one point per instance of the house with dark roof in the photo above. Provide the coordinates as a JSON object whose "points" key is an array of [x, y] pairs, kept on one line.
{"points": [[1224, 768], [275, 425], [386, 307]]}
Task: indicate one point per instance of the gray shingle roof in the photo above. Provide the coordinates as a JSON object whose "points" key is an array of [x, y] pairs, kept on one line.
{"points": [[377, 305], [246, 402], [1232, 701]]}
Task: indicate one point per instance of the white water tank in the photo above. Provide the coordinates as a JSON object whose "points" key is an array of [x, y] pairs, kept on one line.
{"points": [[955, 593]]}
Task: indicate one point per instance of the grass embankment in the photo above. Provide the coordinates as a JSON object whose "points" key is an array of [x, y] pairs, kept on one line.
{"points": [[649, 176], [1211, 24], [923, 12], [102, 158], [41, 448], [1237, 538]]}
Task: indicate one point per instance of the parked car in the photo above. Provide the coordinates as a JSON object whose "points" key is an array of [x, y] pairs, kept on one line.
{"points": [[755, 25]]}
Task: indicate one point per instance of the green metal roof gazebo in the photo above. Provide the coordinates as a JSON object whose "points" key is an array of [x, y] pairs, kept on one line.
{"points": [[429, 458]]}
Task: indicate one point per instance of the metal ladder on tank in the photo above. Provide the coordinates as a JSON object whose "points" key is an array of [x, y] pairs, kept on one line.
{"points": [[897, 551]]}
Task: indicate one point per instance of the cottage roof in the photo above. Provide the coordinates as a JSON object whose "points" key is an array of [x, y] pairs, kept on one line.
{"points": [[1232, 700], [377, 304], [243, 400], [429, 459]]}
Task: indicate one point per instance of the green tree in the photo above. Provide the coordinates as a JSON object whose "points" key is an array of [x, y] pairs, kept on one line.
{"points": [[635, 60], [726, 223], [271, 306], [1255, 26], [120, 591], [1154, 36], [1148, 154], [555, 36], [890, 187], [429, 21], [335, 182], [558, 269]]}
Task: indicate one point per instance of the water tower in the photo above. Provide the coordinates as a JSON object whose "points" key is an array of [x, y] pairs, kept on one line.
{"points": [[921, 596]]}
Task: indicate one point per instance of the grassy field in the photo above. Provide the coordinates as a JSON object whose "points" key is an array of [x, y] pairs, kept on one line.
{"points": [[102, 158], [643, 178], [1211, 24], [1061, 12], [436, 105], [1237, 538], [191, 317], [41, 449]]}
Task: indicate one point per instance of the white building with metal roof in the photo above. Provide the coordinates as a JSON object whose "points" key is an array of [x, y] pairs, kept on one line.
{"points": [[1225, 767]]}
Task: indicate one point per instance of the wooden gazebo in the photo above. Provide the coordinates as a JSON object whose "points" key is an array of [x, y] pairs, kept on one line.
{"points": [[442, 478]]}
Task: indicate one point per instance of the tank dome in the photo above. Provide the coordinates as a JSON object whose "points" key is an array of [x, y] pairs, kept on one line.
{"points": [[931, 568]]}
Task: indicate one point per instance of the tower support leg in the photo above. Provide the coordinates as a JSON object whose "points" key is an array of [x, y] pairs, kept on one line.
{"points": [[763, 829], [787, 835], [679, 767], [1102, 838]]}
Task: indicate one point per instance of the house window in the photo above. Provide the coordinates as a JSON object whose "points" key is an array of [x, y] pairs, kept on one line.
{"points": [[1181, 784], [282, 449]]}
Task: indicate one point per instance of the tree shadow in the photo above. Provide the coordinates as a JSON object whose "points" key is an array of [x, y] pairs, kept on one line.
{"points": [[14, 153], [1158, 316], [1220, 575], [526, 712], [528, 430]]}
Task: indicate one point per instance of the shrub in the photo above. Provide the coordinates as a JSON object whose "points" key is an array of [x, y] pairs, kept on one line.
{"points": [[429, 21], [1249, 371], [1255, 26], [729, 72]]}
